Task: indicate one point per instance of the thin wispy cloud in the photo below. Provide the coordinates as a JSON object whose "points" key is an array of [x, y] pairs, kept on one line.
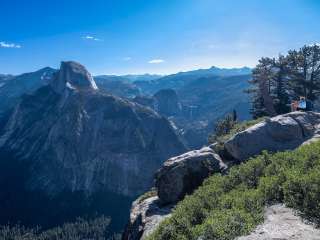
{"points": [[127, 59], [92, 38], [9, 45], [156, 61]]}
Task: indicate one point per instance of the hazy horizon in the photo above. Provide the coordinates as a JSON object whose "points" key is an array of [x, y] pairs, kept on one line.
{"points": [[129, 73]]}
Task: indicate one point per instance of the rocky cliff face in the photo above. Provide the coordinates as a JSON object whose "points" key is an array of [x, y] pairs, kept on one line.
{"points": [[73, 76], [77, 138], [181, 175], [167, 102]]}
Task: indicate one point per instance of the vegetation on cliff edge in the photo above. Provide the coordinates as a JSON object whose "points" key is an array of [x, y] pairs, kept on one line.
{"points": [[225, 207]]}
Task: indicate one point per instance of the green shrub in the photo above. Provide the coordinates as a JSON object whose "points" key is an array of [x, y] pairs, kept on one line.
{"points": [[225, 224], [225, 207], [302, 192], [271, 189]]}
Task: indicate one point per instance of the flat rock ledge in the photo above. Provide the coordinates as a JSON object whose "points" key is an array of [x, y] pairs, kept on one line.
{"points": [[281, 223]]}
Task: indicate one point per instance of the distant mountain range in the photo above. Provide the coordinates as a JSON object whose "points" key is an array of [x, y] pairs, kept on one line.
{"points": [[195, 104], [131, 77], [13, 87], [204, 95], [118, 85], [178, 80]]}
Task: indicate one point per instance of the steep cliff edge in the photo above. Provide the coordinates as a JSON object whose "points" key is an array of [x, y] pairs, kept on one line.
{"points": [[285, 132]]}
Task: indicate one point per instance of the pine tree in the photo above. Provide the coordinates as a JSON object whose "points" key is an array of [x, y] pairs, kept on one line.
{"points": [[280, 94], [262, 82], [276, 82], [224, 126], [234, 115], [304, 71]]}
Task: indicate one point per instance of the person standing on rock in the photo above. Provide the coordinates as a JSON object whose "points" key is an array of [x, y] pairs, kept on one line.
{"points": [[305, 105], [302, 105], [294, 106]]}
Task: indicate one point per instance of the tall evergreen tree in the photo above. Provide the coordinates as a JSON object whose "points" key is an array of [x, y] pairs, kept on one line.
{"points": [[281, 91], [304, 71], [262, 77], [276, 82]]}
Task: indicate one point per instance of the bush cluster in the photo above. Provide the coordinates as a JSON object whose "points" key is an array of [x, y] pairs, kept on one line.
{"points": [[226, 207]]}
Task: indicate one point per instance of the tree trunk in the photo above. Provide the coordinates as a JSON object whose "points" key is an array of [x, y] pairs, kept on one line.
{"points": [[267, 100]]}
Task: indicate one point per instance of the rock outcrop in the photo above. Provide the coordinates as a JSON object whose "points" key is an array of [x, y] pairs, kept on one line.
{"points": [[177, 177], [181, 175], [72, 75], [77, 138], [282, 223], [145, 216], [283, 132]]}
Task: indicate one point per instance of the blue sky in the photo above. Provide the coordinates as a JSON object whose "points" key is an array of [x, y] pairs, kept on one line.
{"points": [[155, 36]]}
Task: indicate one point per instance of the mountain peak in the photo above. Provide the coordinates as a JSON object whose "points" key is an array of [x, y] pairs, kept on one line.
{"points": [[72, 75]]}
